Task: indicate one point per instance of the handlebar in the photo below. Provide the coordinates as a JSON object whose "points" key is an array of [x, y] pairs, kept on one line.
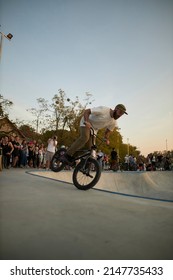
{"points": [[92, 131]]}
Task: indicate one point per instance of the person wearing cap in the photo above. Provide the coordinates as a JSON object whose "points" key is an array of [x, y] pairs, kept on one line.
{"points": [[97, 118]]}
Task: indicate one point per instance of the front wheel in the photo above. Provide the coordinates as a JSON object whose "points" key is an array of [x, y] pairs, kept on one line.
{"points": [[56, 164], [86, 174]]}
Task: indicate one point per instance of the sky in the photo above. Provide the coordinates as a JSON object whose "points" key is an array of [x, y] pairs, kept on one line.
{"points": [[120, 51]]}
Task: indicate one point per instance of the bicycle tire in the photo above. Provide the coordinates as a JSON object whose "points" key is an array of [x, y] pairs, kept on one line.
{"points": [[86, 174], [56, 164]]}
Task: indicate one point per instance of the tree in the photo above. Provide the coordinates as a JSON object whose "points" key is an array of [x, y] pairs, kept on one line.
{"points": [[67, 114], [63, 113], [67, 111], [5, 104], [61, 117], [40, 113]]}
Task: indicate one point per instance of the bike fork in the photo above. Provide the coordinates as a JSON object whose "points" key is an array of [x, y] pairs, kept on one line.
{"points": [[83, 169]]}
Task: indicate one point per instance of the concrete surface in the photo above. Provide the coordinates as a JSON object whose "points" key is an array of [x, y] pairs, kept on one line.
{"points": [[48, 219], [152, 185]]}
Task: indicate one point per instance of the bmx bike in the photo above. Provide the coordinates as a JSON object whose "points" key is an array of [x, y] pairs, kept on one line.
{"points": [[87, 171]]}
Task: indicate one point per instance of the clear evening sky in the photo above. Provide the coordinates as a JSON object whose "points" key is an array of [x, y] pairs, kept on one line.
{"points": [[121, 51]]}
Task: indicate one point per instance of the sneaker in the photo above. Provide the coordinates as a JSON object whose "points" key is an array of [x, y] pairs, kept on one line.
{"points": [[68, 159]]}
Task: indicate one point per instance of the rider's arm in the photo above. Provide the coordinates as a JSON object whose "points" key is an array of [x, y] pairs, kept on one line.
{"points": [[86, 114], [107, 134]]}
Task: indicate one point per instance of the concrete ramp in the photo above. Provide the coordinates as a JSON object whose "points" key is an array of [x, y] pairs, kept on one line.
{"points": [[152, 185], [156, 185]]}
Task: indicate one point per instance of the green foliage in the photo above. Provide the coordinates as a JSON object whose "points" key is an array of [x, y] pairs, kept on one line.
{"points": [[5, 105]]}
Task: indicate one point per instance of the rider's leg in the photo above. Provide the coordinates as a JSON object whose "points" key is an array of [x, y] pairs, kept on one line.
{"points": [[81, 141]]}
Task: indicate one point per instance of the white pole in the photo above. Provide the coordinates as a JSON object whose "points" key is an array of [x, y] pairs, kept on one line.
{"points": [[9, 37], [128, 151], [166, 145], [1, 43]]}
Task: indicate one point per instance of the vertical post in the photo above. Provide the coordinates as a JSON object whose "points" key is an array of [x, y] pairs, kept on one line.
{"points": [[56, 116], [9, 37], [1, 43], [128, 146], [128, 151], [166, 145], [56, 113], [118, 166]]}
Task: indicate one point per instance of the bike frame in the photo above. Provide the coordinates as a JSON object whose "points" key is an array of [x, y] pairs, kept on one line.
{"points": [[88, 153]]}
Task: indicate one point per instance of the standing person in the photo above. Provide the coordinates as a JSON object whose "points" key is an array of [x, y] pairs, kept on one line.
{"points": [[7, 149], [114, 160], [37, 155], [51, 148], [126, 162], [98, 118], [24, 152], [16, 151], [40, 155], [31, 154]]}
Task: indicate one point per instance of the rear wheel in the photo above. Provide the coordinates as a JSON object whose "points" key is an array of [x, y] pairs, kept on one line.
{"points": [[86, 174], [56, 164]]}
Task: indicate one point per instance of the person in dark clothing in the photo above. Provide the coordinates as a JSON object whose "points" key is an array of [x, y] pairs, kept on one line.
{"points": [[114, 158], [7, 149], [16, 151]]}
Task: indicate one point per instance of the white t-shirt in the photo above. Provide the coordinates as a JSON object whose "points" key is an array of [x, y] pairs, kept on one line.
{"points": [[51, 145], [100, 118]]}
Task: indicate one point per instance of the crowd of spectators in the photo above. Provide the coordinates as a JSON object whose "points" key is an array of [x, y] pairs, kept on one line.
{"points": [[153, 162], [16, 153], [23, 154]]}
